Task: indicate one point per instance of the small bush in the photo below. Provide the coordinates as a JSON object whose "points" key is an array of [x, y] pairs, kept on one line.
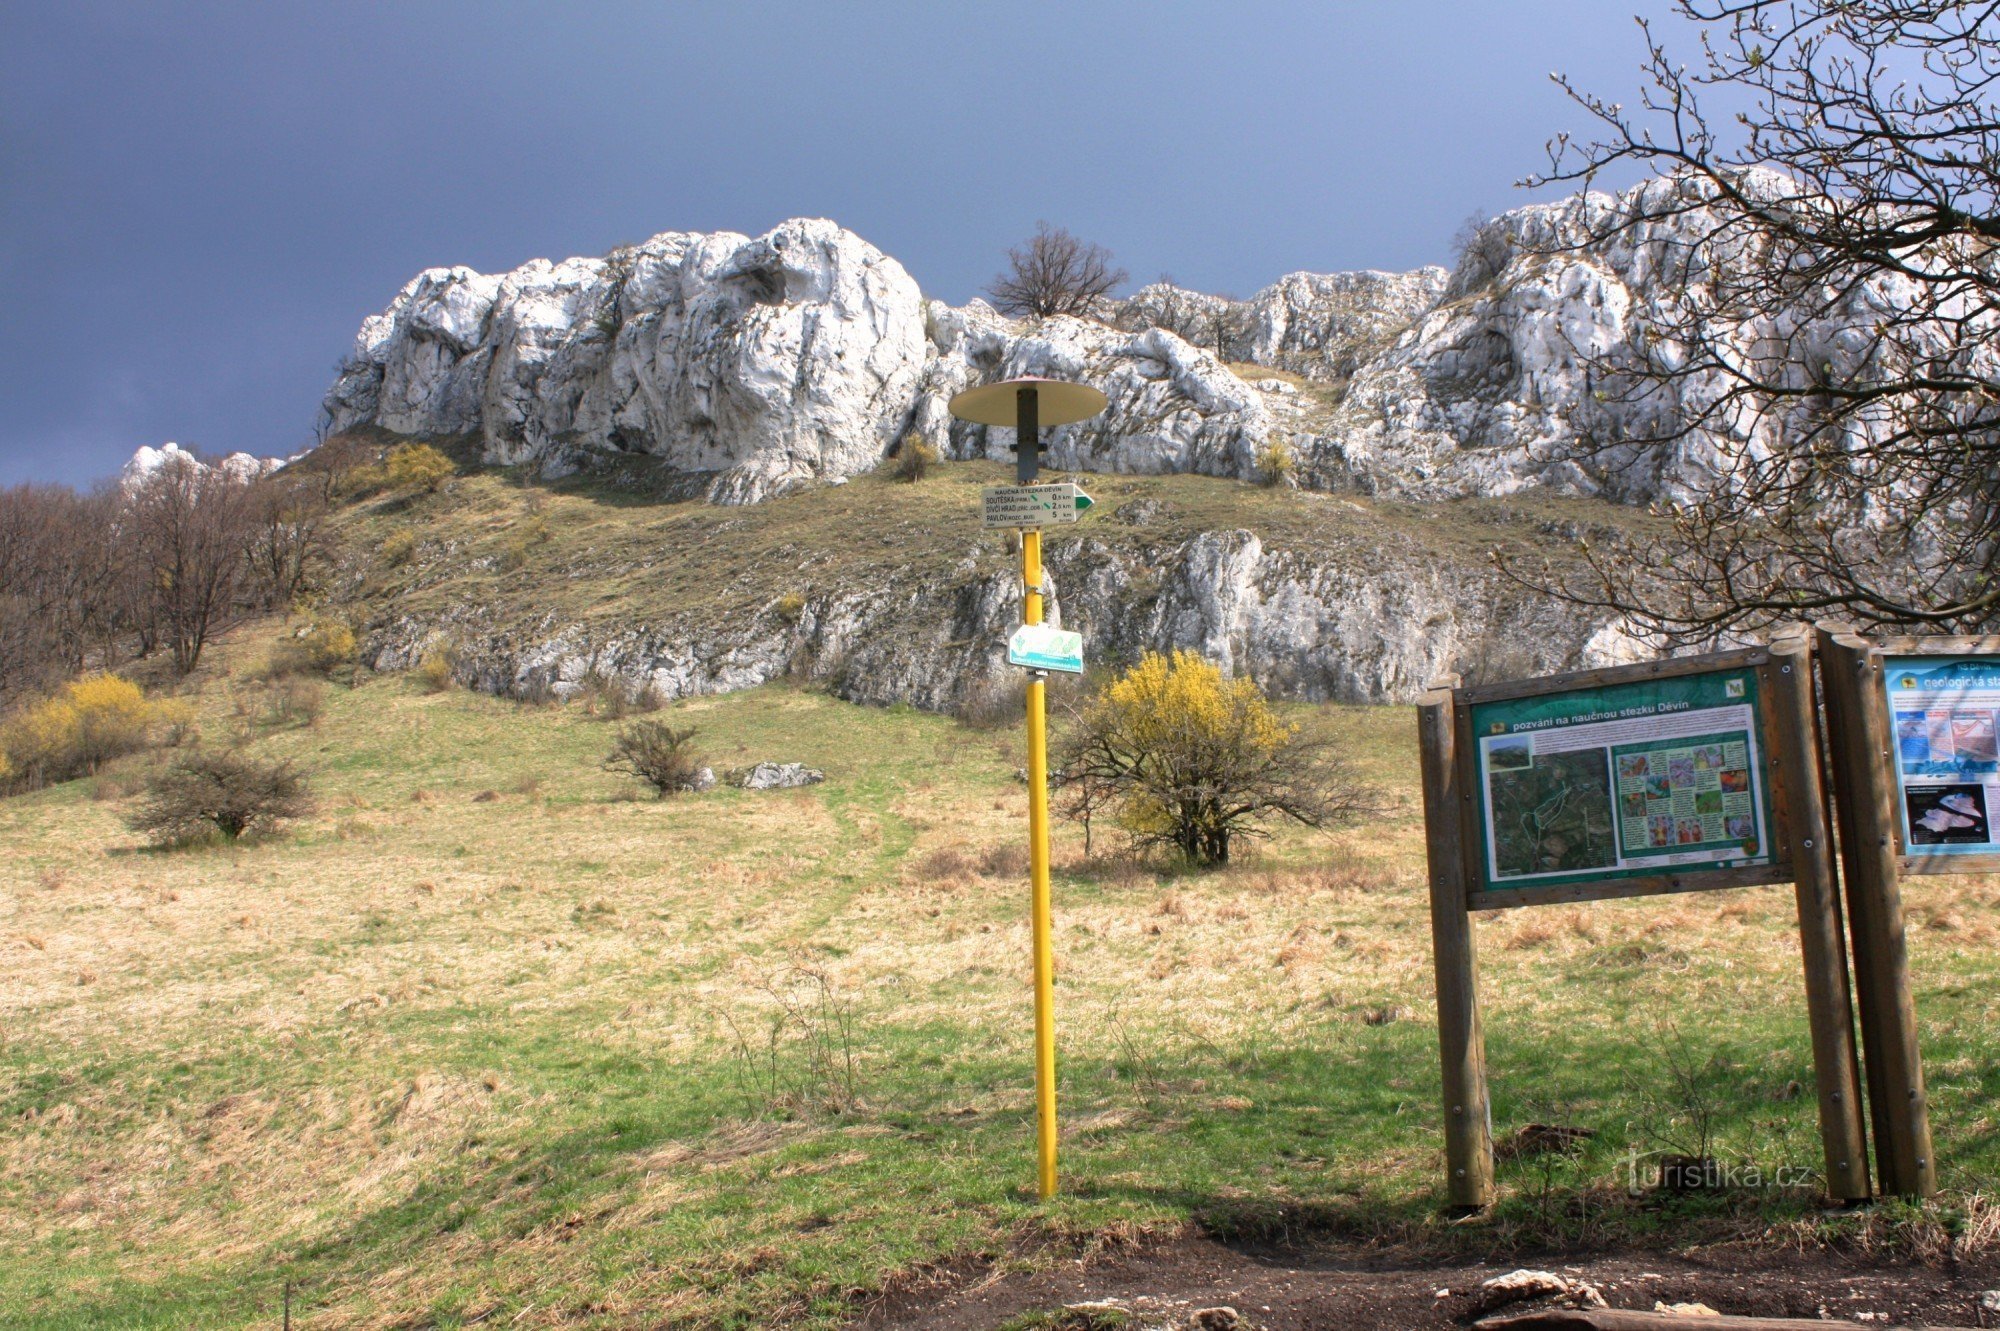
{"points": [[1274, 463], [1009, 859], [398, 547], [417, 467], [603, 696], [790, 607], [365, 479], [944, 864], [295, 702], [521, 542], [914, 458], [86, 724], [656, 753], [993, 705], [175, 722], [323, 648], [436, 671], [211, 791]]}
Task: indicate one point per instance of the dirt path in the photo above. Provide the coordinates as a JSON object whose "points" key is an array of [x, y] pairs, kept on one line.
{"points": [[1321, 1288]]}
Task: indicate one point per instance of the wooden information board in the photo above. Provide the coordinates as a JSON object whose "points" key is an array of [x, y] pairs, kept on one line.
{"points": [[1646, 779], [1666, 776]]}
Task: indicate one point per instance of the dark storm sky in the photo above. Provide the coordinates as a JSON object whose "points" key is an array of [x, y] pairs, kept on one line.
{"points": [[200, 202]]}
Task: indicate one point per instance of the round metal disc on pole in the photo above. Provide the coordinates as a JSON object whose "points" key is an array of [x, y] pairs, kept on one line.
{"points": [[1059, 402]]}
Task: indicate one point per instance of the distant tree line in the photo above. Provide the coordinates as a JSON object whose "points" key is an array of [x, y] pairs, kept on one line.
{"points": [[154, 564]]}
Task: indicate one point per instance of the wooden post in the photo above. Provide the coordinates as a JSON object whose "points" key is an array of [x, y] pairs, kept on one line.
{"points": [[1829, 1008], [1468, 1126], [1862, 744]]}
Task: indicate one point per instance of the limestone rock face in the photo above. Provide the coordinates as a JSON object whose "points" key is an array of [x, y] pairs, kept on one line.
{"points": [[804, 354], [146, 461], [1173, 407], [1496, 388], [760, 362], [1351, 624], [1325, 326]]}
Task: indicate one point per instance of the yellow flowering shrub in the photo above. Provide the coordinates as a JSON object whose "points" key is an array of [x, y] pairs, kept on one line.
{"points": [[84, 725], [1187, 757]]}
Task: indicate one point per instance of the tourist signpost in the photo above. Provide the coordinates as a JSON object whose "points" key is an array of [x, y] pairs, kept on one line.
{"points": [[1027, 405], [1021, 506], [1668, 776]]}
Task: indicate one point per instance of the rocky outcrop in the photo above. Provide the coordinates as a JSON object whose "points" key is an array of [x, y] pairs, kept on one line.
{"points": [[759, 362], [1520, 376], [755, 365], [146, 462], [1364, 621], [1173, 407]]}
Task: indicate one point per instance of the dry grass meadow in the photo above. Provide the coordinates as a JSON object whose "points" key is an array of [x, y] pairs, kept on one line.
{"points": [[493, 1038]]}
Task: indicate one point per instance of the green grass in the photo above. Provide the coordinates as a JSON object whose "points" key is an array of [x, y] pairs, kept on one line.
{"points": [[570, 1055]]}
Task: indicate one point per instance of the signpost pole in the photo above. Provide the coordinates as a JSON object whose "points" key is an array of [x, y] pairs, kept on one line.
{"points": [[1468, 1134], [1038, 870], [1027, 404], [1028, 443], [1864, 783]]}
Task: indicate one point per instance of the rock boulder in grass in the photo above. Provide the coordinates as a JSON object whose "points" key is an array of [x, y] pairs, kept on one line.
{"points": [[760, 363], [779, 776]]}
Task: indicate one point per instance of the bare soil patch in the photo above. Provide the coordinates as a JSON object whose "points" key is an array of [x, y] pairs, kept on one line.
{"points": [[1321, 1286]]}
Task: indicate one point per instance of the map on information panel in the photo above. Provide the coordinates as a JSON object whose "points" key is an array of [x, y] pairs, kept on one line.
{"points": [[1625, 781], [1945, 710]]}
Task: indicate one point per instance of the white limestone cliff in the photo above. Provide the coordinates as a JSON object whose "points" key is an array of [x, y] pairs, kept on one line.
{"points": [[755, 365], [760, 362], [147, 461]]}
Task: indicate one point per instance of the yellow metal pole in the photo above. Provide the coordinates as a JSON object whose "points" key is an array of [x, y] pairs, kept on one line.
{"points": [[1038, 871]]}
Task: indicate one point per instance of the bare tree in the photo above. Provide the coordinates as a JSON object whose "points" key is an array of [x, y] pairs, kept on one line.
{"points": [[287, 514], [190, 525], [60, 575], [1054, 273], [1836, 339]]}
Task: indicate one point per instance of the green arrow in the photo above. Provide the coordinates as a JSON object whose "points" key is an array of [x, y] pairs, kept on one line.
{"points": [[1083, 500]]}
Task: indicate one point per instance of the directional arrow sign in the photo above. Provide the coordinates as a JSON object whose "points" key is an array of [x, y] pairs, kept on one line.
{"points": [[1039, 647], [1033, 505]]}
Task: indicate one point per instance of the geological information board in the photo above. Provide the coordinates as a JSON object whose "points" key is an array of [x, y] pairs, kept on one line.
{"points": [[1651, 778], [1945, 711]]}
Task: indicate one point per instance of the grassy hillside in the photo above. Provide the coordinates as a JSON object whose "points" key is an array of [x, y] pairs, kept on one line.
{"points": [[608, 550], [492, 1039]]}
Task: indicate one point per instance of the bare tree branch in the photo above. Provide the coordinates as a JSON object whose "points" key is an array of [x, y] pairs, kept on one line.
{"points": [[1831, 342]]}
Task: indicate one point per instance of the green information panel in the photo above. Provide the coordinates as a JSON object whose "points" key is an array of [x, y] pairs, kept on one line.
{"points": [[1657, 777]]}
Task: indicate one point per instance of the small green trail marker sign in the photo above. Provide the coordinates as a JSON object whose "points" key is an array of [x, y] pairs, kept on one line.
{"points": [[1040, 647], [1033, 505]]}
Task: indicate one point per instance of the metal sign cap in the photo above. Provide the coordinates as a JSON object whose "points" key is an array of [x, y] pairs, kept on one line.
{"points": [[1058, 402]]}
